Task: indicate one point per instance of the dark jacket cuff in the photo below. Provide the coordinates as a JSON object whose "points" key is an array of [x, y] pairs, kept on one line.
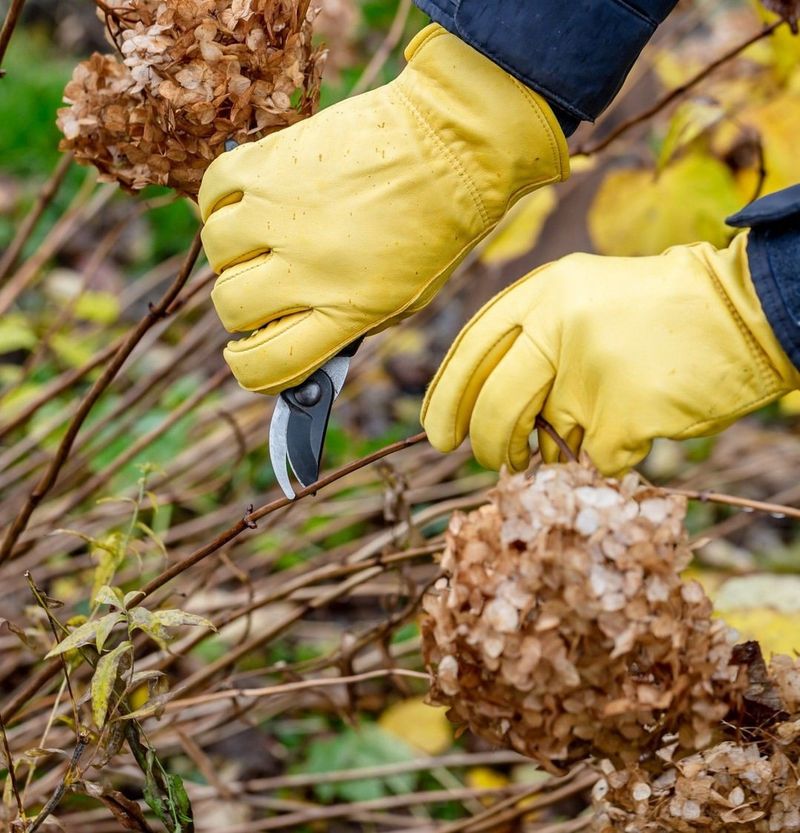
{"points": [[576, 54], [773, 252]]}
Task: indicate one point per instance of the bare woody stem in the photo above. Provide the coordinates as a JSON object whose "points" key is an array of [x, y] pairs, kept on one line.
{"points": [[12, 770], [595, 147], [26, 227], [253, 515], [50, 475], [69, 775], [9, 24]]}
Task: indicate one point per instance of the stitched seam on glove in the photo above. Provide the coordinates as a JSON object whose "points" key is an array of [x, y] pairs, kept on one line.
{"points": [[768, 374], [529, 97], [458, 168], [227, 278], [735, 415]]}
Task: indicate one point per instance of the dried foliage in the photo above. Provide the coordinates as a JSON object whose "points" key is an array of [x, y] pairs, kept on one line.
{"points": [[749, 784], [190, 75], [563, 628]]}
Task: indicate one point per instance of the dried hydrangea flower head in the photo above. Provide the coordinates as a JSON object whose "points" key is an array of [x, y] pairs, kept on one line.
{"points": [[563, 628], [748, 785], [190, 75]]}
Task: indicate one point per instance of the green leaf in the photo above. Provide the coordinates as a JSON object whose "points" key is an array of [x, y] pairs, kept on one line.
{"points": [[140, 618], [152, 536], [109, 553], [173, 617], [94, 630], [16, 333], [107, 624], [171, 805], [103, 680], [107, 595], [689, 121], [364, 748], [130, 596], [99, 307]]}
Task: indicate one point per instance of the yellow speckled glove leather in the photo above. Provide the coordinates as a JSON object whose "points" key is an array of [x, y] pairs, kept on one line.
{"points": [[345, 223], [613, 352]]}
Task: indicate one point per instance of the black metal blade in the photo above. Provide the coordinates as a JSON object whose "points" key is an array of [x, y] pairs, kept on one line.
{"points": [[310, 404]]}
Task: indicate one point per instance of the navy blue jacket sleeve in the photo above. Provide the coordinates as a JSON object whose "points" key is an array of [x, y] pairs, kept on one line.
{"points": [[575, 53], [773, 252]]}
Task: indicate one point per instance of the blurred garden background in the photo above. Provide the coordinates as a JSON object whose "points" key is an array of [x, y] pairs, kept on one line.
{"points": [[135, 477]]}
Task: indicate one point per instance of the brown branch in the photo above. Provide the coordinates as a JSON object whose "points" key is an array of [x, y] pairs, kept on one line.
{"points": [[85, 205], [245, 523], [26, 227], [12, 770], [672, 95], [50, 474], [777, 510], [101, 478], [285, 688], [69, 774], [9, 24], [543, 425]]}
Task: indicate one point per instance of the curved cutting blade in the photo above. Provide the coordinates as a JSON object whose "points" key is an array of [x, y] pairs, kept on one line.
{"points": [[278, 450]]}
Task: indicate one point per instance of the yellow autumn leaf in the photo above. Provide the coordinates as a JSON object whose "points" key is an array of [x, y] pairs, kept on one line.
{"points": [[689, 121], [485, 778], [422, 726], [519, 230], [103, 681], [636, 212], [777, 122], [790, 404], [763, 607], [776, 632]]}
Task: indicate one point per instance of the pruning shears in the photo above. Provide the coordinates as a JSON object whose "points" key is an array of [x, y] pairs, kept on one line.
{"points": [[300, 421]]}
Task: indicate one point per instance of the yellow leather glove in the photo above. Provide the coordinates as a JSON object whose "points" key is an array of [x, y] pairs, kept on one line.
{"points": [[349, 221], [613, 352]]}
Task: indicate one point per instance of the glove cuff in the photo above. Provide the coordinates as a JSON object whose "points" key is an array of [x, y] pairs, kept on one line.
{"points": [[734, 268], [773, 249], [504, 136]]}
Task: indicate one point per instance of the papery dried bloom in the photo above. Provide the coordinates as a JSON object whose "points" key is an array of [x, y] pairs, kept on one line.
{"points": [[563, 628], [193, 73], [748, 787]]}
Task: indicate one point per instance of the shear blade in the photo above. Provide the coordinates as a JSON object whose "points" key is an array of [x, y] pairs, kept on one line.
{"points": [[297, 431], [308, 424], [278, 451]]}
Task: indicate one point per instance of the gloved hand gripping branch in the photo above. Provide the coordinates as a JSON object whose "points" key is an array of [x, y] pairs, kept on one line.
{"points": [[613, 352]]}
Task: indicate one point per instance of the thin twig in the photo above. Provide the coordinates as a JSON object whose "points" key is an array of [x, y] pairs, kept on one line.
{"points": [[544, 425], [9, 24], [284, 688], [55, 625], [672, 95], [381, 56], [69, 774], [50, 474], [268, 508], [774, 509], [12, 770], [26, 227]]}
